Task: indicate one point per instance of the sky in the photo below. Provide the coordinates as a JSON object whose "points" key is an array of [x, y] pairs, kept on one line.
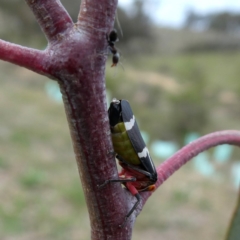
{"points": [[172, 13]]}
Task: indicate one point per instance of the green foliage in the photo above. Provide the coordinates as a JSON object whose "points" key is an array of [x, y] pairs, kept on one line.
{"points": [[3, 163], [9, 223], [33, 178], [234, 228]]}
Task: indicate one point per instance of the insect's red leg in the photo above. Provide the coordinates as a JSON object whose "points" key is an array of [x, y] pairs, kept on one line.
{"points": [[135, 193], [131, 188]]}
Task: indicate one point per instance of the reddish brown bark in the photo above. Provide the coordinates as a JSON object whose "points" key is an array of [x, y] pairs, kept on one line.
{"points": [[51, 16], [74, 57]]}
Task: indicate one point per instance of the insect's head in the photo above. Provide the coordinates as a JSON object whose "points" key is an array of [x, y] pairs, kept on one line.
{"points": [[113, 37], [115, 112]]}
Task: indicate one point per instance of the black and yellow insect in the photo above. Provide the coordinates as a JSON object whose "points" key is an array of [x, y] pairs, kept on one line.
{"points": [[138, 171]]}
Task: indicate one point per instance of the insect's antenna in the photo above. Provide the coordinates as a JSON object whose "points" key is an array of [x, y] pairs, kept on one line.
{"points": [[118, 23]]}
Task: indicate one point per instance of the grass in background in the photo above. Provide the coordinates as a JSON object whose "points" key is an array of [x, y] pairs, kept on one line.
{"points": [[41, 195]]}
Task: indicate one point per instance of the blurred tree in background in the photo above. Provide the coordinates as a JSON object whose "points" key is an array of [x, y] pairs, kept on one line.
{"points": [[223, 21], [137, 30]]}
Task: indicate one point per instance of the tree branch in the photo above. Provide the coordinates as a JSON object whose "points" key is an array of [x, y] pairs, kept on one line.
{"points": [[51, 16], [26, 57], [167, 168], [90, 21]]}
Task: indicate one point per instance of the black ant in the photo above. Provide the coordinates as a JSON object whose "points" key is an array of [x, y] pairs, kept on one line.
{"points": [[112, 37]]}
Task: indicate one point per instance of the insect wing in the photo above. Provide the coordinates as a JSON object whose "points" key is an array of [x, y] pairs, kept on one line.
{"points": [[136, 138]]}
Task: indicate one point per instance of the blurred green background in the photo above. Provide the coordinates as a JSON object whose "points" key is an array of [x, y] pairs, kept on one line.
{"points": [[181, 83]]}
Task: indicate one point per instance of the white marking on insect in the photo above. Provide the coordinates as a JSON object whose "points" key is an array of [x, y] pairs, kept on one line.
{"points": [[129, 125], [144, 153]]}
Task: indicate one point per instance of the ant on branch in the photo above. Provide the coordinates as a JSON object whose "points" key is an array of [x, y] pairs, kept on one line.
{"points": [[112, 38]]}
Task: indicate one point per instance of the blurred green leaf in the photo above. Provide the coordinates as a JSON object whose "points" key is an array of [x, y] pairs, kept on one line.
{"points": [[234, 228]]}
